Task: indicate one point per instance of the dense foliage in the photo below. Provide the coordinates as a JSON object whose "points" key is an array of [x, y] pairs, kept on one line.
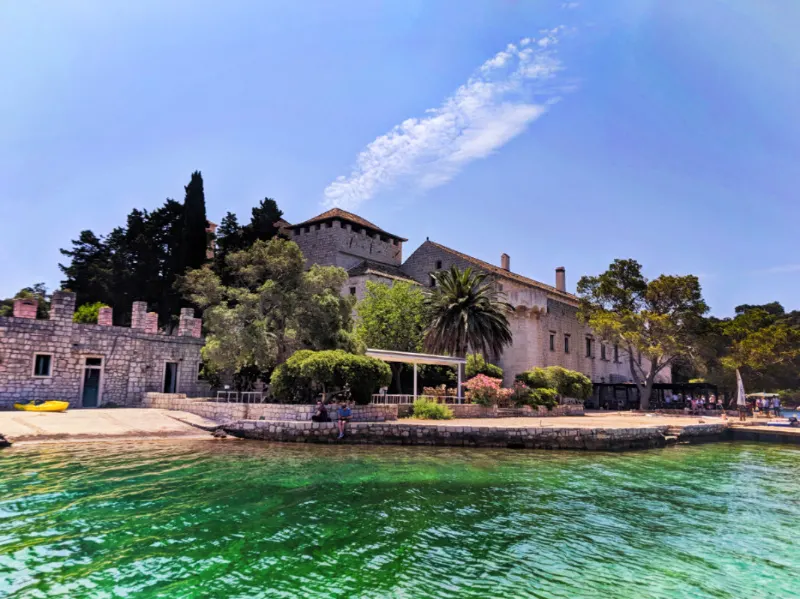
{"points": [[392, 318], [564, 382], [467, 312], [426, 409], [37, 292], [144, 259], [272, 308], [88, 313], [307, 373], [660, 320], [523, 395], [477, 364], [763, 342]]}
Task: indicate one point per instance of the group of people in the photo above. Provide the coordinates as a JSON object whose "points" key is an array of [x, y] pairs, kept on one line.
{"points": [[765, 405], [341, 409], [692, 404]]}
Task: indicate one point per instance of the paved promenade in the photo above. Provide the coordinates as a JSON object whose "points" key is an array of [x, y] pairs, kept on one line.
{"points": [[103, 424]]}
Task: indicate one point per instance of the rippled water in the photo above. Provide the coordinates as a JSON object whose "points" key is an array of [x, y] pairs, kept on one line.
{"points": [[243, 519]]}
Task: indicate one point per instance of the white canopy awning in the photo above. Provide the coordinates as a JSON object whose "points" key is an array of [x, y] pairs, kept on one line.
{"points": [[415, 359]]}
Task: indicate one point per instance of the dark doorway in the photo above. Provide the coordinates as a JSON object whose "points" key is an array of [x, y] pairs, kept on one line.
{"points": [[91, 388], [170, 377]]}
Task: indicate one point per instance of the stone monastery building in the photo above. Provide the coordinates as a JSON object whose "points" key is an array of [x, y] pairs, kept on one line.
{"points": [[544, 323]]}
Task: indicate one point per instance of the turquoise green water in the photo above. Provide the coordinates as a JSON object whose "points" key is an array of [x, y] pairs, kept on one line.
{"points": [[250, 520]]}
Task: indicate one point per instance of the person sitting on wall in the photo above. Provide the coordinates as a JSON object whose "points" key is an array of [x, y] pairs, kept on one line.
{"points": [[320, 413], [345, 414]]}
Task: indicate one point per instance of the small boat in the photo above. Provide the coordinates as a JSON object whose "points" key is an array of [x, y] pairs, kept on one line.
{"points": [[43, 406]]}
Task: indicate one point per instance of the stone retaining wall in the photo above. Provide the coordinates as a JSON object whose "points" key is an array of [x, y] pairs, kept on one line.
{"points": [[471, 410], [227, 412], [407, 433]]}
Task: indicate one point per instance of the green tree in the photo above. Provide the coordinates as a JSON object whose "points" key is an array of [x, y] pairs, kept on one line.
{"points": [[230, 239], [262, 222], [195, 239], [467, 312], [88, 313], [89, 273], [660, 319], [38, 292], [273, 308], [477, 364], [393, 318]]}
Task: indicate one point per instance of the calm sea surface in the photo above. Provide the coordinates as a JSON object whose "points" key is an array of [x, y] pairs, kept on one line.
{"points": [[249, 520]]}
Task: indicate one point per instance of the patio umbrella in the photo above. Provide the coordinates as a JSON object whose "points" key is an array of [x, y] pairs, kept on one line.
{"points": [[741, 398]]}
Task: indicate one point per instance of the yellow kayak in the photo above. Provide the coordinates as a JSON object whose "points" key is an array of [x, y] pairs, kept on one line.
{"points": [[43, 406]]}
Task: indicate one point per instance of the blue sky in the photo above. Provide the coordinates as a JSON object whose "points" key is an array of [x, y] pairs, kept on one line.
{"points": [[663, 131]]}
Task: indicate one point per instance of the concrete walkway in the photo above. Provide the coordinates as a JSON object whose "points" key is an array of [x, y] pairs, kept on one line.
{"points": [[118, 423]]}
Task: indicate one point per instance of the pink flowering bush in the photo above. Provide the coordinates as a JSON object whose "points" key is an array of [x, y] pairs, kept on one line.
{"points": [[487, 391]]}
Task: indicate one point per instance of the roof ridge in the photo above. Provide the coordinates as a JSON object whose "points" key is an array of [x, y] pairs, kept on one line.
{"points": [[347, 216], [504, 273]]}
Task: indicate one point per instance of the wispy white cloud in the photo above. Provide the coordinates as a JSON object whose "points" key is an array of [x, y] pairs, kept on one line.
{"points": [[498, 102], [570, 5], [779, 270]]}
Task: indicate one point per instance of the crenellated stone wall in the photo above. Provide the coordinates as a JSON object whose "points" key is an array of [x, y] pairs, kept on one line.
{"points": [[338, 243], [227, 412], [131, 360]]}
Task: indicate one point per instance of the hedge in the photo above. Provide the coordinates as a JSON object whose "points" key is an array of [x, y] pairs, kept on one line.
{"points": [[567, 383], [307, 373]]}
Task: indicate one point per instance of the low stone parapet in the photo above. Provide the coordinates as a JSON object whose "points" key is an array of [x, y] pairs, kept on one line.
{"points": [[410, 433], [227, 412]]}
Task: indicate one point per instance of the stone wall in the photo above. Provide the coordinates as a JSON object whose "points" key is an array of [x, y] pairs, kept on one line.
{"points": [[477, 411], [227, 412], [132, 360], [415, 433], [336, 243]]}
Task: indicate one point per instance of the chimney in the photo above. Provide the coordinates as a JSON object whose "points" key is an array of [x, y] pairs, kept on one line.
{"points": [[505, 262], [561, 279], [25, 308], [105, 317], [139, 316], [186, 323]]}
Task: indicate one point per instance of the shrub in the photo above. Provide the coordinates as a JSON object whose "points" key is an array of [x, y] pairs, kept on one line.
{"points": [[87, 313], [540, 396], [487, 391], [477, 364], [567, 383], [307, 372], [426, 409]]}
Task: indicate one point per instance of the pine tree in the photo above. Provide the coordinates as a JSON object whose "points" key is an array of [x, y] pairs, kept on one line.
{"points": [[262, 222], [230, 238], [195, 239]]}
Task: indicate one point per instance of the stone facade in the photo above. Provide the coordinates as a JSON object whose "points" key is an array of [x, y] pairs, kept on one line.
{"points": [[544, 323], [228, 412], [338, 238], [131, 361], [471, 410]]}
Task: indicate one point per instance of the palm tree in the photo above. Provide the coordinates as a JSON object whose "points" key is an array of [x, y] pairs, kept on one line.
{"points": [[467, 312]]}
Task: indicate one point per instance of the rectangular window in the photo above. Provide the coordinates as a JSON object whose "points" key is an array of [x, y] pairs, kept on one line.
{"points": [[201, 371], [433, 281], [94, 361], [616, 354], [566, 344], [500, 287], [41, 364], [552, 342], [602, 351], [438, 265], [588, 347], [352, 291]]}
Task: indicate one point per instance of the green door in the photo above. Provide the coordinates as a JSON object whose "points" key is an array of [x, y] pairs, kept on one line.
{"points": [[91, 387]]}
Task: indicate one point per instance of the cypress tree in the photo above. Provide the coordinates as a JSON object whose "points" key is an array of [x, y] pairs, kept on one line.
{"points": [[195, 239], [262, 222]]}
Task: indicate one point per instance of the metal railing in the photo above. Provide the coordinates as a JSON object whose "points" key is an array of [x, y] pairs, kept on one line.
{"points": [[241, 396], [405, 399]]}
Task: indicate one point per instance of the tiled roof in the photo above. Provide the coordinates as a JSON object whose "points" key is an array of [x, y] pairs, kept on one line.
{"points": [[501, 272], [368, 267], [348, 217]]}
